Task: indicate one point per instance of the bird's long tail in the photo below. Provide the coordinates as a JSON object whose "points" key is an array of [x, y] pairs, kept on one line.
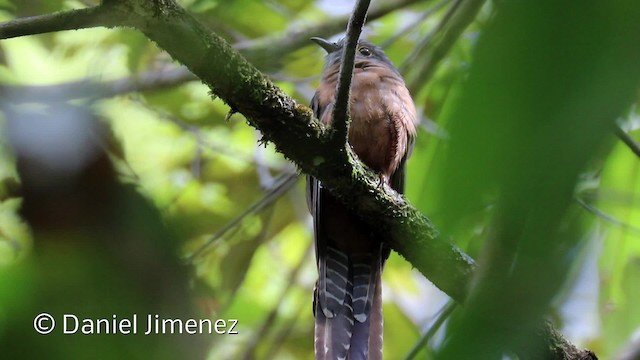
{"points": [[349, 326]]}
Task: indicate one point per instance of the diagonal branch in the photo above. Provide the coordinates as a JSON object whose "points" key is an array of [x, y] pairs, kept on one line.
{"points": [[341, 108], [631, 143], [284, 184], [302, 139]]}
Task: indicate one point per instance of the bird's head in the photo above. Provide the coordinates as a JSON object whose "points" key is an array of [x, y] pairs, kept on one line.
{"points": [[366, 53]]}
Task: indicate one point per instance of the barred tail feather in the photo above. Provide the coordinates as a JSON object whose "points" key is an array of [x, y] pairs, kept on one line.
{"points": [[333, 335], [342, 337], [359, 349], [334, 285], [365, 266], [366, 341]]}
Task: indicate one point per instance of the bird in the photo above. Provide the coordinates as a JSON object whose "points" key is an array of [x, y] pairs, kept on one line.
{"points": [[347, 301]]}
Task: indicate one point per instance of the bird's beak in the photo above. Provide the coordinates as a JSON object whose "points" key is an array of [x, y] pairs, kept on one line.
{"points": [[327, 45]]}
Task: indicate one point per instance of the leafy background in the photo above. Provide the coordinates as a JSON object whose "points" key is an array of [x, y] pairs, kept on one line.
{"points": [[238, 208]]}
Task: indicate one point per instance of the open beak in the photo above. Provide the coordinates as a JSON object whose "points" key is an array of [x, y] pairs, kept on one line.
{"points": [[327, 45]]}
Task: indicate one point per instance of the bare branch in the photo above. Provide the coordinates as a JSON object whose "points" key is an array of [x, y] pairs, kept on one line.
{"points": [[606, 217], [631, 143], [444, 314], [283, 184], [341, 108]]}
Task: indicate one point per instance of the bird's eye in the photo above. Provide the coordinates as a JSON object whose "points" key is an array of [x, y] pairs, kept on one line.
{"points": [[365, 51]]}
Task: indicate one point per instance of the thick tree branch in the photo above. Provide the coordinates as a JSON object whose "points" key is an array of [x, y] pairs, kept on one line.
{"points": [[302, 139]]}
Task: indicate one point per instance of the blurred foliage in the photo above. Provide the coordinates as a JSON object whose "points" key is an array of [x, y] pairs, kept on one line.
{"points": [[201, 173]]}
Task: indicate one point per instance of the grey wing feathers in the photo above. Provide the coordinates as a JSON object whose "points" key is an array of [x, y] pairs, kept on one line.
{"points": [[398, 177]]}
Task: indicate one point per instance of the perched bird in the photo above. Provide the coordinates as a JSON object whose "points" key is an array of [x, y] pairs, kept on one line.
{"points": [[350, 256]]}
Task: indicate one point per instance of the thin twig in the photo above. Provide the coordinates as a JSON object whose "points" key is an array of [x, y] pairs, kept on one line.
{"points": [[609, 218], [445, 312], [633, 145], [283, 184], [341, 109]]}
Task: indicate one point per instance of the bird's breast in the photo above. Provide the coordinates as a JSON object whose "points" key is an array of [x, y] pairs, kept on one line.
{"points": [[378, 128], [382, 114]]}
